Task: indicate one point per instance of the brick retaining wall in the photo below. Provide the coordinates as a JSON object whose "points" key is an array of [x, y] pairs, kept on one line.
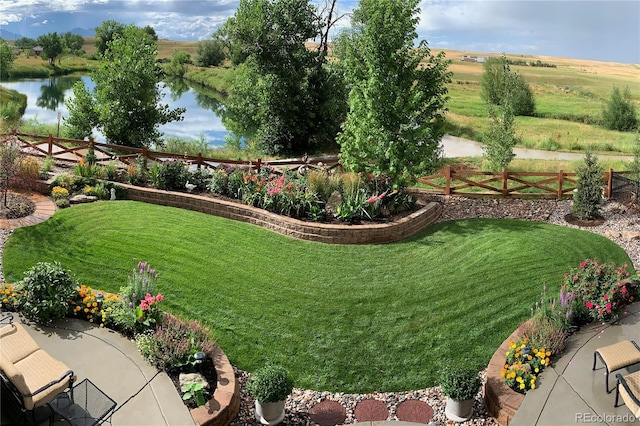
{"points": [[502, 402], [333, 234]]}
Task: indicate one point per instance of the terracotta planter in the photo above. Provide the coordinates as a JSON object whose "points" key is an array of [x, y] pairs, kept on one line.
{"points": [[270, 413], [459, 411]]}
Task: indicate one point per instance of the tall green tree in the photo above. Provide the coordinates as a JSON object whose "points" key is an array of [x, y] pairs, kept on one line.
{"points": [[52, 46], [6, 58], [107, 32], [126, 103], [210, 53], [73, 43], [284, 97], [499, 141], [397, 92], [25, 43], [619, 112], [499, 85]]}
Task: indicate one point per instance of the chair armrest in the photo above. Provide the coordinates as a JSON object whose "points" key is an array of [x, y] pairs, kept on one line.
{"points": [[6, 318], [67, 374]]}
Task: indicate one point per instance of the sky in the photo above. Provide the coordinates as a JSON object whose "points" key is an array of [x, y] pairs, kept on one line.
{"points": [[604, 30]]}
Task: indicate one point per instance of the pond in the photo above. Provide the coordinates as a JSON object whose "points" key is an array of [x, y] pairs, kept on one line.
{"points": [[46, 96]]}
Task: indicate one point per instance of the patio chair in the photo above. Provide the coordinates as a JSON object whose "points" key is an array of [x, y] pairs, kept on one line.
{"points": [[629, 388], [32, 376], [614, 357]]}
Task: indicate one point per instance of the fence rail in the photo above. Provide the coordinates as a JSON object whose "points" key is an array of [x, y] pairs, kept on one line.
{"points": [[73, 150], [506, 184]]}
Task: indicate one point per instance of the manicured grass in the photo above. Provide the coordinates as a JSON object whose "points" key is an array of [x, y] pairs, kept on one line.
{"points": [[341, 318]]}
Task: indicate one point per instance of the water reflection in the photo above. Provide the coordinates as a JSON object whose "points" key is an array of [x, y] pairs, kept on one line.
{"points": [[45, 97]]}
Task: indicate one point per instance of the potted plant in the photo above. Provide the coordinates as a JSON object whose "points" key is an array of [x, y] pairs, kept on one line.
{"points": [[270, 386], [460, 385]]}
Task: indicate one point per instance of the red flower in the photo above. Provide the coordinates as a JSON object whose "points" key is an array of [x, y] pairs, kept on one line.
{"points": [[583, 264], [605, 297], [589, 305]]}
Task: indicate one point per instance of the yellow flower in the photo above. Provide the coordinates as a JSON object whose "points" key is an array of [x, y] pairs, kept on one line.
{"points": [[537, 370], [533, 385], [542, 362], [5, 300], [529, 357], [522, 386], [548, 353], [503, 373]]}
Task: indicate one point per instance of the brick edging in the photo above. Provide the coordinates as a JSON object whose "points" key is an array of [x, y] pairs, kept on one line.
{"points": [[377, 233], [502, 402], [225, 404]]}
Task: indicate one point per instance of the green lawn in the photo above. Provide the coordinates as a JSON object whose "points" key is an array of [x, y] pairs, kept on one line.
{"points": [[341, 318]]}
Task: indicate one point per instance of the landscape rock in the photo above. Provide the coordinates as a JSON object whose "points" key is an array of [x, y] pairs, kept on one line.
{"points": [[185, 378], [631, 235], [81, 198]]}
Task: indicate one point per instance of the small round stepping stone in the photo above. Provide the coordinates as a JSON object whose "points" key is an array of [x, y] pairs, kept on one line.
{"points": [[371, 410], [414, 411], [328, 413]]}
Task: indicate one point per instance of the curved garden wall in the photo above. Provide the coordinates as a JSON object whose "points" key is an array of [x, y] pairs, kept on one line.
{"points": [[502, 402], [326, 233]]}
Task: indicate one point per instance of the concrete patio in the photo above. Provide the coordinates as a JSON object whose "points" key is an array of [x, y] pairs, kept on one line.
{"points": [[570, 392]]}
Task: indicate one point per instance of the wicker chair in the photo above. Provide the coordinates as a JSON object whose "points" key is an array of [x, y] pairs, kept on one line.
{"points": [[629, 388], [32, 376]]}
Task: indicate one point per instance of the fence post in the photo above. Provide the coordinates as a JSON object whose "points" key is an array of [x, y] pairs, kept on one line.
{"points": [[609, 188], [199, 159], [447, 187], [505, 181], [50, 147], [259, 164], [560, 181]]}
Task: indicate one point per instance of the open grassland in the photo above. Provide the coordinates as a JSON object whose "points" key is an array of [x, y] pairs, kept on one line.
{"points": [[342, 318], [569, 99]]}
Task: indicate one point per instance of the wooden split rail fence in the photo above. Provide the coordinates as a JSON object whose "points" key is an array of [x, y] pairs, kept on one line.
{"points": [[448, 182], [73, 150], [509, 184]]}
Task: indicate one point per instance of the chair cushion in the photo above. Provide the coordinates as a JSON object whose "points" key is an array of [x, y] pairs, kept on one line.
{"points": [[619, 355], [38, 370], [16, 343]]}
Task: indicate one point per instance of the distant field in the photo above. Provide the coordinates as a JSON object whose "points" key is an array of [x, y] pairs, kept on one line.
{"points": [[569, 98]]}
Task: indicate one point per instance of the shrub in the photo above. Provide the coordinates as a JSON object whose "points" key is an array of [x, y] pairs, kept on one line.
{"points": [[200, 178], [218, 183], [174, 343], [59, 192], [235, 183], [111, 172], [270, 383], [459, 382], [620, 113], [601, 291], [545, 332], [50, 289], [523, 364], [587, 198], [29, 172], [172, 175], [73, 183], [62, 203]]}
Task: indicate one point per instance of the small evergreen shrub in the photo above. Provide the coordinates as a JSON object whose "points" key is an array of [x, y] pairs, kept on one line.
{"points": [[587, 198], [459, 382], [270, 383], [49, 290]]}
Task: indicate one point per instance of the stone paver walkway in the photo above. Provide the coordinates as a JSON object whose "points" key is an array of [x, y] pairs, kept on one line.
{"points": [[45, 208]]}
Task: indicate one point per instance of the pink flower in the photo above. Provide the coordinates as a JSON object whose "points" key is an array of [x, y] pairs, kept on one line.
{"points": [[159, 298], [144, 305], [372, 199], [575, 278], [589, 305], [605, 297], [583, 264]]}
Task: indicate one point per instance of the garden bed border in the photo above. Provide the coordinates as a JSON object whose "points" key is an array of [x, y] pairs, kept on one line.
{"points": [[377, 233], [502, 402]]}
